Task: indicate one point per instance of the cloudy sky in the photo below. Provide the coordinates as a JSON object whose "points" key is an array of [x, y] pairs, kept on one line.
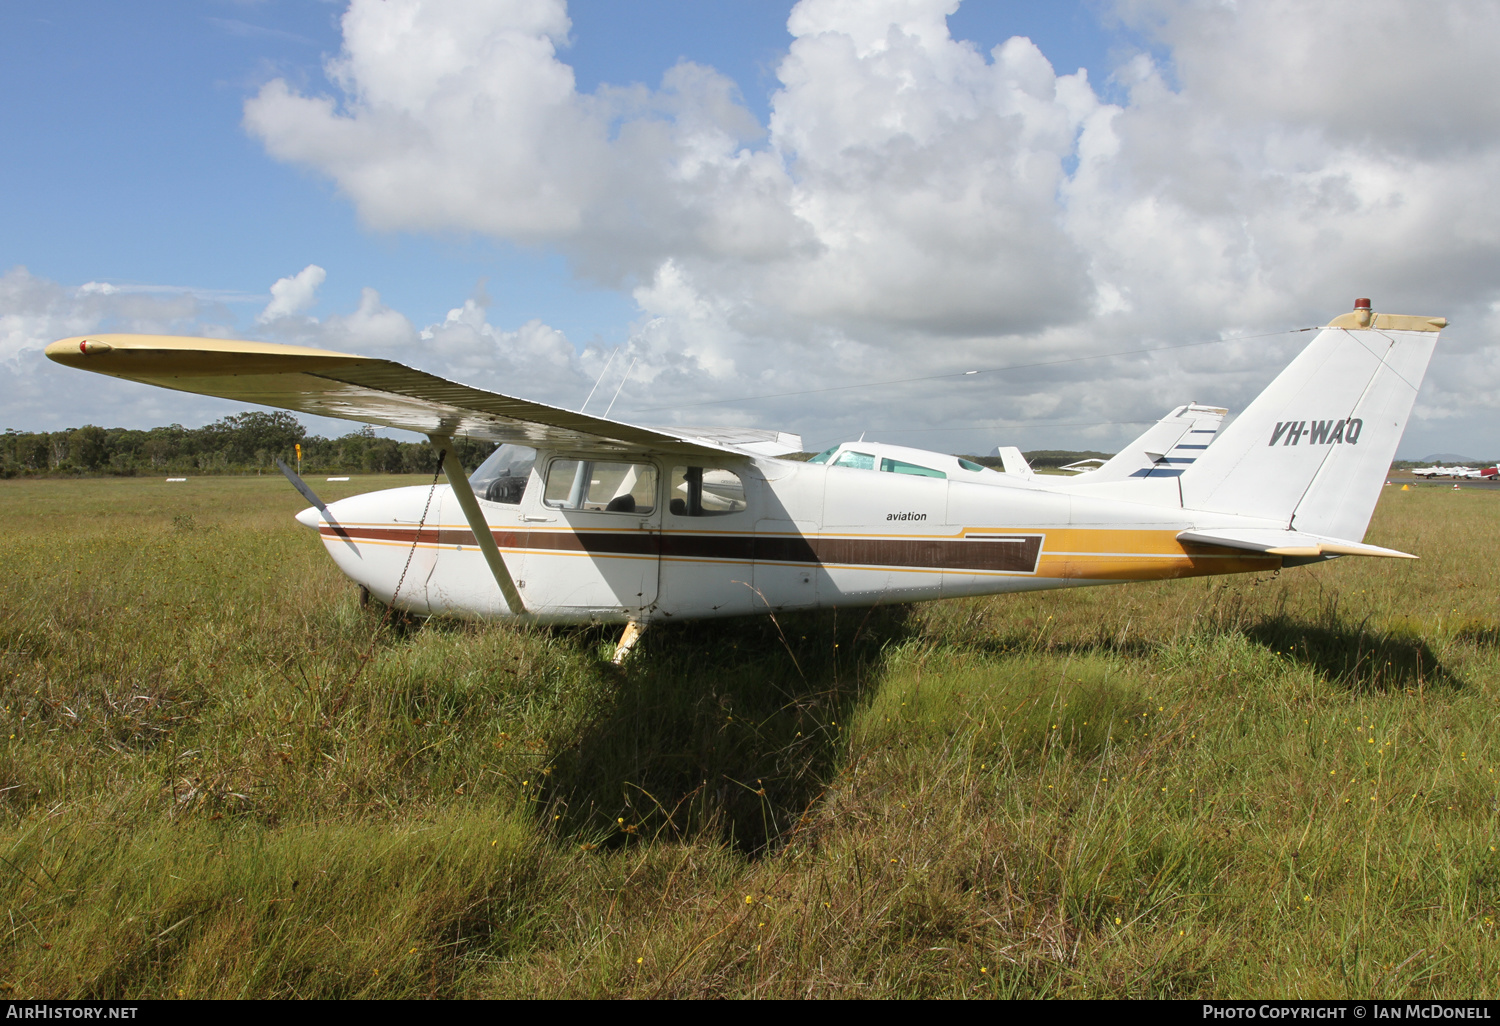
{"points": [[752, 212]]}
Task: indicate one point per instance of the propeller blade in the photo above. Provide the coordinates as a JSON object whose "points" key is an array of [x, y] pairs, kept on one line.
{"points": [[301, 486], [312, 497]]}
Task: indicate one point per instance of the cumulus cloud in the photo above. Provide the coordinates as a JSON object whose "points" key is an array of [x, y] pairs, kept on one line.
{"points": [[533, 359], [915, 205], [1365, 74], [908, 180], [294, 295], [372, 326], [452, 114], [35, 311]]}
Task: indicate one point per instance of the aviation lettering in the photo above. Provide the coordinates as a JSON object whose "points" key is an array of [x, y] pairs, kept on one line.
{"points": [[1322, 432], [906, 516]]}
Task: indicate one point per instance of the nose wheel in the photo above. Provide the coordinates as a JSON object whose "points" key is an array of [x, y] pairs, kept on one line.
{"points": [[632, 633]]}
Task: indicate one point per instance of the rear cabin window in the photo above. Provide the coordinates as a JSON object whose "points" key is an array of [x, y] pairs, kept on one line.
{"points": [[704, 492], [824, 456], [899, 467], [601, 487]]}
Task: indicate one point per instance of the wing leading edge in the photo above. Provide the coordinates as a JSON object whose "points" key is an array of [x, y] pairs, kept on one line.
{"points": [[382, 392]]}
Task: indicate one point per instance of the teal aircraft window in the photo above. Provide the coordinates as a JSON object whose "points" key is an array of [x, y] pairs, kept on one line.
{"points": [[898, 467], [705, 492], [823, 456], [601, 487], [970, 465], [855, 461]]}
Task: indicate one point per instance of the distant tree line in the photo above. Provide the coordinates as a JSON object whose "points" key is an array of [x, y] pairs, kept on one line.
{"points": [[248, 443], [245, 443], [1046, 459]]}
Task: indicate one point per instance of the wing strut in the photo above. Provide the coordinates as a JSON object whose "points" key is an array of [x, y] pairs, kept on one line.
{"points": [[475, 516]]}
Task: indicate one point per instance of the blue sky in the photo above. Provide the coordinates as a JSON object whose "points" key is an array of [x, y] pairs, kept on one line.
{"points": [[142, 173], [139, 171], [1204, 182]]}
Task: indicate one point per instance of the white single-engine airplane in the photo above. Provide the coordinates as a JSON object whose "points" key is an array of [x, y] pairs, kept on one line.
{"points": [[578, 519]]}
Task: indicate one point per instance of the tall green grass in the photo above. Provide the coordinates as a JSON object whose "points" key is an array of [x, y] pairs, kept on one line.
{"points": [[1281, 785]]}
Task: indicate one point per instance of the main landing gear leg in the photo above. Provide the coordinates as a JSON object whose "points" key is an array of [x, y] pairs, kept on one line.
{"points": [[633, 631]]}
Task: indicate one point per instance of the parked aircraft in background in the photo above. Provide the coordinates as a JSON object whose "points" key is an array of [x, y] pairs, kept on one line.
{"points": [[1456, 472], [1082, 466], [577, 518]]}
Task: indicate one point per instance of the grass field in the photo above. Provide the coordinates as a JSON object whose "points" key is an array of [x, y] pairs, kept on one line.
{"points": [[1282, 785]]}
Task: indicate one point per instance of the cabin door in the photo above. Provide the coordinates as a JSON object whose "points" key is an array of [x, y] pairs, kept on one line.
{"points": [[593, 545]]}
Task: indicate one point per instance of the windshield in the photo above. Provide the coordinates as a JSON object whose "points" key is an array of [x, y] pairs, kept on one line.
{"points": [[502, 477]]}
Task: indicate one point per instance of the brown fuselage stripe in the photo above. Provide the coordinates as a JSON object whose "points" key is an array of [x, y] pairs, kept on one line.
{"points": [[1016, 553]]}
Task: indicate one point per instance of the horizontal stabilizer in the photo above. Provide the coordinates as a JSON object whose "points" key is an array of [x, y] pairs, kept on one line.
{"points": [[1274, 542]]}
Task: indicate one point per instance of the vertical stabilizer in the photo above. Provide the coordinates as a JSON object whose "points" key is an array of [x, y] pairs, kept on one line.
{"points": [[1313, 449], [1013, 461], [1168, 447]]}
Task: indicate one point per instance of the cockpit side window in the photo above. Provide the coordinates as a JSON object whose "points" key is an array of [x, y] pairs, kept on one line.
{"points": [[824, 456], [855, 460], [891, 466], [705, 492], [503, 475], [601, 487]]}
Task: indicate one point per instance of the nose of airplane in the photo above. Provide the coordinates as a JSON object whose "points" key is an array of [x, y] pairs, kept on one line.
{"points": [[310, 517]]}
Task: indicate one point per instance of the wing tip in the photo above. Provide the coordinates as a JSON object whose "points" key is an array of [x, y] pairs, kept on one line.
{"points": [[73, 350]]}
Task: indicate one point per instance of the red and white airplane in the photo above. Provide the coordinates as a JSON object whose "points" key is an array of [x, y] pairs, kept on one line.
{"points": [[577, 518]]}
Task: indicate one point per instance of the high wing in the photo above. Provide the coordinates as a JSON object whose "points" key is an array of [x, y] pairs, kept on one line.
{"points": [[382, 392]]}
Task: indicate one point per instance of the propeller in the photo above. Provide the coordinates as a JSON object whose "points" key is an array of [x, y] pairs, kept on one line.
{"points": [[312, 497], [307, 493]]}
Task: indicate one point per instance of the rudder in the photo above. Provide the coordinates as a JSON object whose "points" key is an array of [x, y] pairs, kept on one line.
{"points": [[1312, 451]]}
